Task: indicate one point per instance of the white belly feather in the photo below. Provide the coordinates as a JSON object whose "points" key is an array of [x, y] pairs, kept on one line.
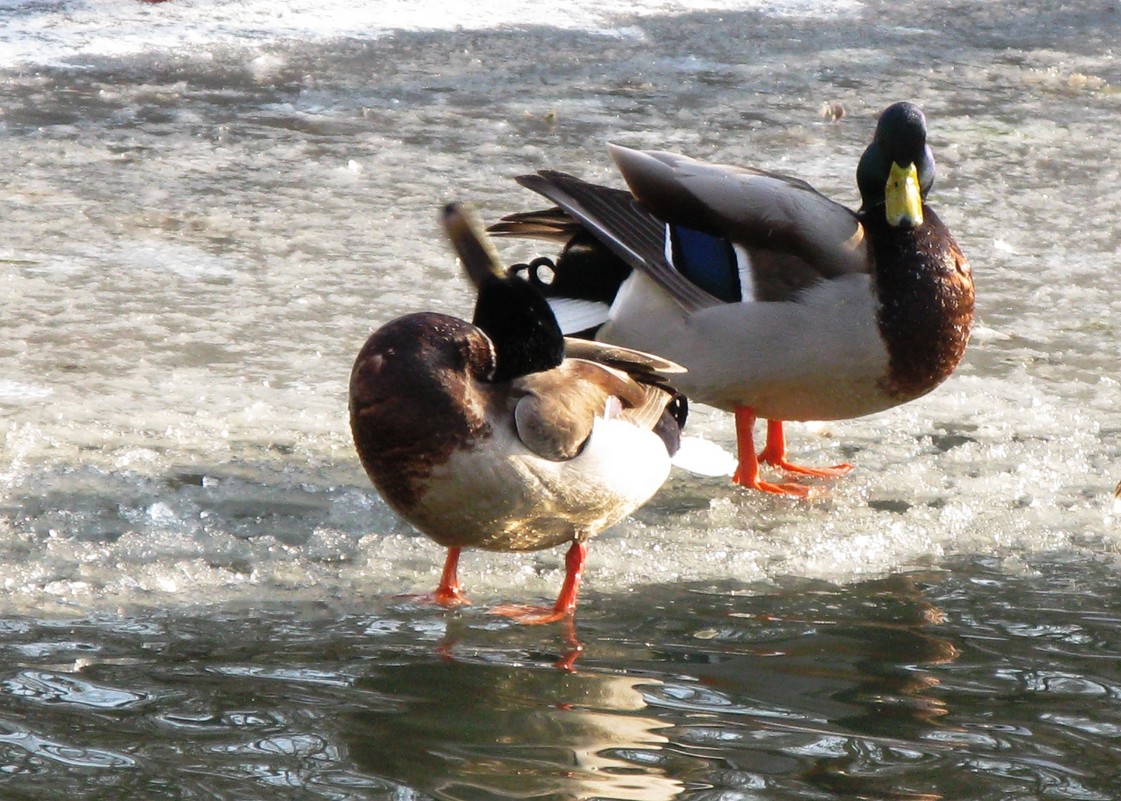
{"points": [[501, 496]]}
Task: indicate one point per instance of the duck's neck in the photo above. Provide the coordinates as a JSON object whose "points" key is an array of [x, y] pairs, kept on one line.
{"points": [[925, 289]]}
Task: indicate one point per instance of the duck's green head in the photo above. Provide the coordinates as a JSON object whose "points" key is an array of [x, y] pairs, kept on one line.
{"points": [[897, 168]]}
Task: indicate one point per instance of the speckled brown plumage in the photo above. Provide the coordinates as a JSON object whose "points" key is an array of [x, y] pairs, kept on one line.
{"points": [[925, 287], [410, 401]]}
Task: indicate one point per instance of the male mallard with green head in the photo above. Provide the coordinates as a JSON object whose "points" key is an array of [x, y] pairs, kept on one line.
{"points": [[779, 302]]}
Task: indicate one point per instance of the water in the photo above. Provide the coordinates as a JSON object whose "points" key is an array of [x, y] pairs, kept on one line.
{"points": [[967, 682], [207, 207]]}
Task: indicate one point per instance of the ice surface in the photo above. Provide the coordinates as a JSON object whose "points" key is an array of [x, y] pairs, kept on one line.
{"points": [[194, 246], [69, 32]]}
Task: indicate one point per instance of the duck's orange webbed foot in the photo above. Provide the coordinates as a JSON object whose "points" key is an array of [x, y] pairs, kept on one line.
{"points": [[565, 607], [747, 472], [532, 615], [774, 453], [822, 472], [749, 479], [449, 598], [446, 600], [448, 594]]}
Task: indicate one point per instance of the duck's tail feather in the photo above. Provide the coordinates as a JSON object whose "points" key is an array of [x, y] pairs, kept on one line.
{"points": [[611, 216], [580, 284], [583, 280], [623, 226], [470, 243], [703, 457], [550, 225], [638, 364], [606, 233]]}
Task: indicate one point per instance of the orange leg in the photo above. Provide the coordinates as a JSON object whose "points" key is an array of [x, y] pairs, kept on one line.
{"points": [[449, 592], [775, 453], [747, 473], [565, 606]]}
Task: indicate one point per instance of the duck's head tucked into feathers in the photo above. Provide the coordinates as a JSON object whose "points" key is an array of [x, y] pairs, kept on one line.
{"points": [[897, 168], [486, 435], [412, 402]]}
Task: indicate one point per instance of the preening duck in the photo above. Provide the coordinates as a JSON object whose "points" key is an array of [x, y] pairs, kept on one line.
{"points": [[780, 303], [487, 435]]}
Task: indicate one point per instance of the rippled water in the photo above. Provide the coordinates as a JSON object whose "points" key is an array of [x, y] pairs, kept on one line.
{"points": [[206, 208], [968, 682]]}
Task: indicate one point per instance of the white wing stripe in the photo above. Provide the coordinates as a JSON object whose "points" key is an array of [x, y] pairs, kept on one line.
{"points": [[747, 273], [574, 316]]}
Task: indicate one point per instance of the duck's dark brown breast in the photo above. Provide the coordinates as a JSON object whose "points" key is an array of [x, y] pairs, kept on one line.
{"points": [[925, 288]]}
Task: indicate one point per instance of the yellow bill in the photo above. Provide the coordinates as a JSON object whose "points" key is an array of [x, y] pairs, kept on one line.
{"points": [[903, 196]]}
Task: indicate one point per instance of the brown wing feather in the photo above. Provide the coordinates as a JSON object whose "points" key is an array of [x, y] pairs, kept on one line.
{"points": [[550, 225], [632, 362], [554, 410]]}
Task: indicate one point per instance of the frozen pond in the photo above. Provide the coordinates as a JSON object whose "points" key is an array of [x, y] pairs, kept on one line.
{"points": [[207, 207]]}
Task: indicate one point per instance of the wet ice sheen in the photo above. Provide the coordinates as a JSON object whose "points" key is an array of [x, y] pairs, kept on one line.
{"points": [[196, 240], [191, 262], [911, 687]]}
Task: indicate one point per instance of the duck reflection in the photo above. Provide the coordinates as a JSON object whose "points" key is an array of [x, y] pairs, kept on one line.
{"points": [[863, 647], [849, 670], [896, 692], [895, 695], [466, 731]]}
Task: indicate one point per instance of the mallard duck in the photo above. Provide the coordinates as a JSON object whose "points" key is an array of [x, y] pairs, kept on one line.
{"points": [[493, 434], [780, 303]]}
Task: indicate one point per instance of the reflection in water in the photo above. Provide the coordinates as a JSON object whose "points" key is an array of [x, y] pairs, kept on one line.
{"points": [[565, 661], [697, 693], [17, 745], [841, 678], [819, 688], [477, 731], [896, 694], [52, 688], [191, 241]]}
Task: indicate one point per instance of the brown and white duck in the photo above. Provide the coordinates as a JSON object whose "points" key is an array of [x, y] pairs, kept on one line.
{"points": [[780, 303], [488, 435]]}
